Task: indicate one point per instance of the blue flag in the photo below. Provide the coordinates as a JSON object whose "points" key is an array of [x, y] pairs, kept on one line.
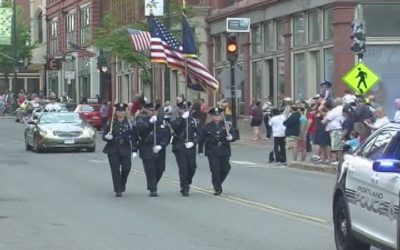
{"points": [[188, 41]]}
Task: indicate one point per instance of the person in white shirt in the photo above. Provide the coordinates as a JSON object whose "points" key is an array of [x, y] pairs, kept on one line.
{"points": [[397, 114], [349, 97], [333, 121], [278, 132], [53, 105], [381, 119]]}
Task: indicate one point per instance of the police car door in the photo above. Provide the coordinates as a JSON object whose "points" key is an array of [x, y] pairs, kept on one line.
{"points": [[388, 185], [361, 189]]}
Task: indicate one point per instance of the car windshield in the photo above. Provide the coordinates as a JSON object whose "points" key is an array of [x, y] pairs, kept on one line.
{"points": [[87, 108], [55, 117]]}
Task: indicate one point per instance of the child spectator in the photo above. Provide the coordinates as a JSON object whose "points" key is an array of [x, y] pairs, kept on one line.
{"points": [[353, 143]]}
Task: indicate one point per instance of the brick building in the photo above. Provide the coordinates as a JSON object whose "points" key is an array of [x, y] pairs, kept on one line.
{"points": [[293, 45]]}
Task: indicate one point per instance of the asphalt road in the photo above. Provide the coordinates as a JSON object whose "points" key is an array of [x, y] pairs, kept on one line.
{"points": [[65, 201]]}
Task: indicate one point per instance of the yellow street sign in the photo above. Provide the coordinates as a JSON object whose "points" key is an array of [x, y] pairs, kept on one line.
{"points": [[360, 78]]}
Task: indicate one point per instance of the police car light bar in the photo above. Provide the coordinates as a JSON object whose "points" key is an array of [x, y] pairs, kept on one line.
{"points": [[387, 166]]}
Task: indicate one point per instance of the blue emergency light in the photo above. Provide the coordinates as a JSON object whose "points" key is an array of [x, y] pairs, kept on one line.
{"points": [[387, 166]]}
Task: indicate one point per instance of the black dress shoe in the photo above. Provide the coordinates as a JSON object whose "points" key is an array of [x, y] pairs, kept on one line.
{"points": [[118, 194], [185, 193], [153, 194], [217, 192]]}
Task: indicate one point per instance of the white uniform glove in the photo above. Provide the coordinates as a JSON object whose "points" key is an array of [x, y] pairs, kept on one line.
{"points": [[189, 144], [108, 137], [157, 149], [153, 119], [134, 155], [229, 137], [185, 115]]}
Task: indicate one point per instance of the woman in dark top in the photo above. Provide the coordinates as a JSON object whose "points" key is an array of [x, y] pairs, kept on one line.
{"points": [[256, 119], [322, 137]]}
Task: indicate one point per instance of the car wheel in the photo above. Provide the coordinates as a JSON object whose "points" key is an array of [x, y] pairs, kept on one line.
{"points": [[27, 146], [344, 239], [36, 147], [91, 149]]}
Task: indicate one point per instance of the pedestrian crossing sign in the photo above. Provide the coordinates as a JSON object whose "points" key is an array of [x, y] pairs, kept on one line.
{"points": [[360, 78]]}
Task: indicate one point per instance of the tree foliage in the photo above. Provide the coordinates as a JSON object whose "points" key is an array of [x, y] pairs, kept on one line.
{"points": [[23, 46]]}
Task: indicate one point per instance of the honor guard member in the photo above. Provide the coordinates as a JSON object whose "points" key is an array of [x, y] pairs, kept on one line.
{"points": [[120, 148], [217, 136], [153, 137], [186, 135]]}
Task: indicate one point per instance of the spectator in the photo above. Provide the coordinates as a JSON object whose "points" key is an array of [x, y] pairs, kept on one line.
{"points": [[104, 110], [311, 129], [136, 105], [348, 97], [224, 105], [256, 120], [267, 115], [20, 99], [397, 114], [2, 105], [381, 120], [322, 137], [352, 143], [372, 102], [348, 123], [292, 132], [301, 143], [333, 121], [278, 133], [362, 113], [326, 92]]}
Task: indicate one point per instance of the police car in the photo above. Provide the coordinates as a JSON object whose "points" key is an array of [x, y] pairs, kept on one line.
{"points": [[366, 197]]}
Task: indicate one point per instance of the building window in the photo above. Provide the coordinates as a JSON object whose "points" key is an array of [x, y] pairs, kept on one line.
{"points": [[281, 78], [269, 36], [85, 25], [218, 48], [376, 26], [256, 40], [299, 32], [53, 37], [70, 29], [299, 77], [328, 24], [280, 40], [313, 27], [328, 64], [39, 26], [257, 80]]}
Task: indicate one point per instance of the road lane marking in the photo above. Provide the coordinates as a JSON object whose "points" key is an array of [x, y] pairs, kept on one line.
{"points": [[249, 163], [255, 205], [245, 202]]}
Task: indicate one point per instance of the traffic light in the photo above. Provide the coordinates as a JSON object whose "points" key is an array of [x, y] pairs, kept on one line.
{"points": [[358, 37], [231, 48]]}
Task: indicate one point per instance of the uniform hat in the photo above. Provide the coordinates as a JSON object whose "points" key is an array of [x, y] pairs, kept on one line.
{"points": [[120, 106], [327, 83], [215, 111]]}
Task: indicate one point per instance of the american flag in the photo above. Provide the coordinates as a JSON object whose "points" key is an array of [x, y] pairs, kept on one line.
{"points": [[82, 52], [140, 39], [165, 48]]}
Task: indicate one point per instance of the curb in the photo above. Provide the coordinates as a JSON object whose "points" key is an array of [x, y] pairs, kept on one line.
{"points": [[7, 117], [313, 167]]}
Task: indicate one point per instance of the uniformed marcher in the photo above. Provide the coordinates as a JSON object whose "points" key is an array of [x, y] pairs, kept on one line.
{"points": [[217, 136], [186, 135], [154, 135], [120, 147]]}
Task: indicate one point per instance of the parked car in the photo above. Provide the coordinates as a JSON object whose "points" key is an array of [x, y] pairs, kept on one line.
{"points": [[366, 197], [59, 130], [91, 113]]}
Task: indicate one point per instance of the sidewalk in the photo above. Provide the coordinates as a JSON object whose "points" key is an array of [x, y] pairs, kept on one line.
{"points": [[246, 138]]}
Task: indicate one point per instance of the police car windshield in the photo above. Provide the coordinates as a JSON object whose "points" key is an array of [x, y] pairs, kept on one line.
{"points": [[53, 117]]}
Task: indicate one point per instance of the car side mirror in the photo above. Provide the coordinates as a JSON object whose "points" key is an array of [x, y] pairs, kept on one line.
{"points": [[386, 166]]}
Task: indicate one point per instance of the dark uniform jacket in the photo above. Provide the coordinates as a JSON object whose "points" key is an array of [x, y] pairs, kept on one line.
{"points": [[145, 135], [124, 139], [214, 136], [180, 136]]}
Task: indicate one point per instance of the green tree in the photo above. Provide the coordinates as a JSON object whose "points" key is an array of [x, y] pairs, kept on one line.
{"points": [[23, 47]]}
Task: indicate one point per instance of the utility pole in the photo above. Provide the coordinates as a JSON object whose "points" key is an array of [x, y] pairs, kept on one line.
{"points": [[14, 48], [232, 56]]}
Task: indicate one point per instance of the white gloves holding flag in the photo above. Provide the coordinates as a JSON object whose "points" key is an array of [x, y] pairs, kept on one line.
{"points": [[153, 119], [134, 155], [157, 149], [189, 144], [108, 137], [229, 137], [185, 115]]}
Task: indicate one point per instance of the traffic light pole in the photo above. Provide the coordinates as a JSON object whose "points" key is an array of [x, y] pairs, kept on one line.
{"points": [[233, 94]]}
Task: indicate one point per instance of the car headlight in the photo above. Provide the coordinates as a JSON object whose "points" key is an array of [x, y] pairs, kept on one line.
{"points": [[43, 132]]}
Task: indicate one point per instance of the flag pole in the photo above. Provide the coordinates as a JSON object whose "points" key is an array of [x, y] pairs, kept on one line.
{"points": [[186, 81]]}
